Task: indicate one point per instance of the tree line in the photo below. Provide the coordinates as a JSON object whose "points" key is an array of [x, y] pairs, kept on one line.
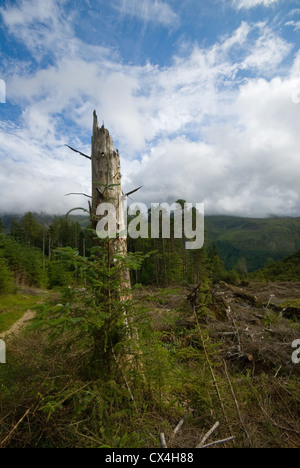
{"points": [[31, 252]]}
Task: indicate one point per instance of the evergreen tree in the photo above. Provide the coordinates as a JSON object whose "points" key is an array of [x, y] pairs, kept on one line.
{"points": [[33, 230], [16, 230]]}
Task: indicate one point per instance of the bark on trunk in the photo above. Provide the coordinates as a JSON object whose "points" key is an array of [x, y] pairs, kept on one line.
{"points": [[107, 187]]}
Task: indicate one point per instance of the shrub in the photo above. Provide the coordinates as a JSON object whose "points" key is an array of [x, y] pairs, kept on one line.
{"points": [[6, 278]]}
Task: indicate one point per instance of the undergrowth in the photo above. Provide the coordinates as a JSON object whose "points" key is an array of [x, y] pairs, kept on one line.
{"points": [[13, 307], [50, 396]]}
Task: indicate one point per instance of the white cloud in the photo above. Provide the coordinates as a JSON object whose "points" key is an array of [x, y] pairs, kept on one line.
{"points": [[294, 24], [39, 25], [35, 177], [268, 51], [248, 166], [156, 11], [253, 3], [2, 91], [205, 130]]}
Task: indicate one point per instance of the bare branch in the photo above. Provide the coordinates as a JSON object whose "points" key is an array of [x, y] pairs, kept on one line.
{"points": [[277, 425], [133, 191], [236, 403], [3, 442], [84, 194], [208, 434], [218, 442], [79, 152], [75, 209], [163, 440], [179, 425]]}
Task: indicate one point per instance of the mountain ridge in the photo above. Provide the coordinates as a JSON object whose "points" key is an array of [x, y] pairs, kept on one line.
{"points": [[254, 240], [257, 240]]}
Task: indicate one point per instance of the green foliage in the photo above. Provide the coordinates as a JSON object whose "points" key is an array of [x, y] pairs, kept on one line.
{"points": [[70, 406], [13, 307], [63, 268], [31, 252], [25, 263], [87, 378], [256, 240], [168, 262], [6, 278], [284, 270], [96, 312]]}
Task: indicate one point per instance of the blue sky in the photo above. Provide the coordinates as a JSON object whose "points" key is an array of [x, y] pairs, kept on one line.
{"points": [[200, 96]]}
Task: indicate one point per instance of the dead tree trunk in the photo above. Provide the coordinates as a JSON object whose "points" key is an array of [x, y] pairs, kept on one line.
{"points": [[107, 187]]}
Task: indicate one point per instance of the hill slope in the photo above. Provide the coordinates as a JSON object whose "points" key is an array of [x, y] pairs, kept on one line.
{"points": [[287, 269], [256, 240]]}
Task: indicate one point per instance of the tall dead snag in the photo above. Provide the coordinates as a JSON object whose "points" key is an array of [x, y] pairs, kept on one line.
{"points": [[107, 187]]}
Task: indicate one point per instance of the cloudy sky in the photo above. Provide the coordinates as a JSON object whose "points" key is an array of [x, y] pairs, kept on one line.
{"points": [[202, 98]]}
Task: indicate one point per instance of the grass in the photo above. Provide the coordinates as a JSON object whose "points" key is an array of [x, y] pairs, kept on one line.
{"points": [[13, 307], [71, 407], [291, 303]]}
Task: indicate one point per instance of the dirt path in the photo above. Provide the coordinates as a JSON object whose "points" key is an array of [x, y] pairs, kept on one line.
{"points": [[17, 326]]}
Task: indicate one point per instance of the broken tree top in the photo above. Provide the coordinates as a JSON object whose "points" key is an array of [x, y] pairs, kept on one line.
{"points": [[102, 137], [106, 175]]}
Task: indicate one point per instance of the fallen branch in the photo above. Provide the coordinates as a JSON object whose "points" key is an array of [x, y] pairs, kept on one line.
{"points": [[125, 380], [230, 314], [163, 440], [179, 425], [236, 403], [287, 429], [211, 369], [6, 439], [208, 434], [219, 442]]}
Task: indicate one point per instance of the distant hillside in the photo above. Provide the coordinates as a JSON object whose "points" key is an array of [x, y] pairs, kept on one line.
{"points": [[7, 218], [287, 269], [256, 240]]}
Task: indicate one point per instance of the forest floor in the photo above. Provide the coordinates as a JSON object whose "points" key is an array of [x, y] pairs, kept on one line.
{"points": [[261, 323], [248, 331], [255, 324], [18, 325], [15, 309], [218, 353]]}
